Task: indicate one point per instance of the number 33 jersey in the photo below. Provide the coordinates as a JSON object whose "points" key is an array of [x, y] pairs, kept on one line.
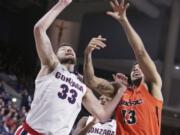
{"points": [[57, 102], [138, 113]]}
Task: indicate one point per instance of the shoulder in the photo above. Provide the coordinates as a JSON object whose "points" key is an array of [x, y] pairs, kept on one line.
{"points": [[46, 70]]}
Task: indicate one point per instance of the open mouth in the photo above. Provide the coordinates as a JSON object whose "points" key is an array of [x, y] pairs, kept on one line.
{"points": [[69, 54], [135, 75]]}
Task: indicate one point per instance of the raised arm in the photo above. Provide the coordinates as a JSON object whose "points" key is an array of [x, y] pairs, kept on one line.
{"points": [[43, 44], [146, 63], [102, 112], [82, 128], [101, 85]]}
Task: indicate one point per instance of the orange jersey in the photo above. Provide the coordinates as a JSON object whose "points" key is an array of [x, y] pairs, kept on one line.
{"points": [[138, 113]]}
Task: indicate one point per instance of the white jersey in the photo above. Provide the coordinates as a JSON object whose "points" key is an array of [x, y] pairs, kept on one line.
{"points": [[57, 102], [107, 128]]}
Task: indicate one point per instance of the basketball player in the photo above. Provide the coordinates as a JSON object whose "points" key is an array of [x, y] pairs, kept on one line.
{"points": [[91, 125], [139, 110], [58, 91]]}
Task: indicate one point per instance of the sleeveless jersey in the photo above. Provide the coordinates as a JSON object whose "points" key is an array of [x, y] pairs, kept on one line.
{"points": [[138, 113], [57, 102], [107, 128]]}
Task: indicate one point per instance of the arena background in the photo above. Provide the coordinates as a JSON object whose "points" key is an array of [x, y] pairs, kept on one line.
{"points": [[157, 22]]}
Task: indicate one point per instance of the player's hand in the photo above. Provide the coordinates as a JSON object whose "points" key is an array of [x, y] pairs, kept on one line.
{"points": [[120, 79], [119, 10], [120, 83], [95, 43]]}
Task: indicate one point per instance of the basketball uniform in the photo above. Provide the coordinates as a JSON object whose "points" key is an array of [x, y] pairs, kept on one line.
{"points": [[107, 128], [57, 102], [138, 113]]}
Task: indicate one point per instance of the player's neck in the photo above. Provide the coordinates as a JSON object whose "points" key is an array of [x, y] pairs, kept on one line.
{"points": [[69, 67]]}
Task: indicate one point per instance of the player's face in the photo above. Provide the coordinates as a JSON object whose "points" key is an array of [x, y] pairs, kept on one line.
{"points": [[136, 73], [104, 99], [66, 54]]}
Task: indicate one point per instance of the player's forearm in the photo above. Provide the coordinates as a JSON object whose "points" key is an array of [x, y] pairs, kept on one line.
{"points": [[49, 17], [111, 105], [89, 76], [142, 57], [133, 38]]}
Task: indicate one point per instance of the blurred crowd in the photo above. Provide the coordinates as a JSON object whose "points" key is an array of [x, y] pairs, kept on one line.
{"points": [[14, 103], [16, 89]]}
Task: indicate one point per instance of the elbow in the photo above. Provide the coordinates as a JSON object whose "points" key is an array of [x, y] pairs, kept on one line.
{"points": [[38, 29], [89, 81]]}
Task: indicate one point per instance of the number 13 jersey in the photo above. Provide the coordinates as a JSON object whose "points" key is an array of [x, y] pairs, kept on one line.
{"points": [[138, 113], [57, 102]]}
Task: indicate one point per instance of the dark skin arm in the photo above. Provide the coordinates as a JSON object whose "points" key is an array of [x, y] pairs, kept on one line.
{"points": [[144, 60]]}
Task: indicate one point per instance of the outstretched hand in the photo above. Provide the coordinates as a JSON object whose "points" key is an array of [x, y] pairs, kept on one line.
{"points": [[120, 82], [119, 10], [95, 43], [121, 79]]}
